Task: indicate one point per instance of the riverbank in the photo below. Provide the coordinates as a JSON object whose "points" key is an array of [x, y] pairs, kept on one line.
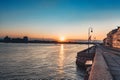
{"points": [[104, 64], [52, 42], [100, 69], [85, 59]]}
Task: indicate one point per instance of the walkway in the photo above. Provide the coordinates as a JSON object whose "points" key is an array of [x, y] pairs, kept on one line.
{"points": [[100, 70], [106, 63], [112, 58]]}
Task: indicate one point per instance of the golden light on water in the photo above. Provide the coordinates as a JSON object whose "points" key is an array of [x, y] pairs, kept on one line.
{"points": [[61, 59]]}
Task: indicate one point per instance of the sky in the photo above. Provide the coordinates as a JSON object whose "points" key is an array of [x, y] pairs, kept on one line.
{"points": [[56, 18]]}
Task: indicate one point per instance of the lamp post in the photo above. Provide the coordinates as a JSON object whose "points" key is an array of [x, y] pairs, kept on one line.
{"points": [[90, 30]]}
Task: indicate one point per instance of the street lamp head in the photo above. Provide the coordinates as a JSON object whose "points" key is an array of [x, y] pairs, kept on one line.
{"points": [[91, 30]]}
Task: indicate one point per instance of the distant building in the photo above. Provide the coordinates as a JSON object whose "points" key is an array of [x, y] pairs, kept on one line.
{"points": [[113, 38], [7, 39], [25, 39], [16, 40]]}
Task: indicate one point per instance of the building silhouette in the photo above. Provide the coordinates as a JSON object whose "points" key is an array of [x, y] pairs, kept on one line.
{"points": [[25, 38], [16, 40], [7, 39]]}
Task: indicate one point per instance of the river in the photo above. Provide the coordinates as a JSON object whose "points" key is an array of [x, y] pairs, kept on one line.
{"points": [[39, 61]]}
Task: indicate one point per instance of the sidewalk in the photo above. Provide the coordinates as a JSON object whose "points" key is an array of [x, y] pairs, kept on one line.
{"points": [[100, 70]]}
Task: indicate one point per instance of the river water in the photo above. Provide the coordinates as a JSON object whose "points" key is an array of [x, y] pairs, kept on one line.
{"points": [[39, 61]]}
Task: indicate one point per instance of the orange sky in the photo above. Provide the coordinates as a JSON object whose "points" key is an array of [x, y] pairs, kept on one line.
{"points": [[68, 18]]}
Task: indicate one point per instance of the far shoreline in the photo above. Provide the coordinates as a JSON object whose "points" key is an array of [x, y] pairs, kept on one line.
{"points": [[56, 42]]}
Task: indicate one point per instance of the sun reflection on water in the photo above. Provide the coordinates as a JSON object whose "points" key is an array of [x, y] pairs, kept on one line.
{"points": [[61, 59]]}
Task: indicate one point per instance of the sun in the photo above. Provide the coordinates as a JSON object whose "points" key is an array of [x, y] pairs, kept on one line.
{"points": [[62, 39]]}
